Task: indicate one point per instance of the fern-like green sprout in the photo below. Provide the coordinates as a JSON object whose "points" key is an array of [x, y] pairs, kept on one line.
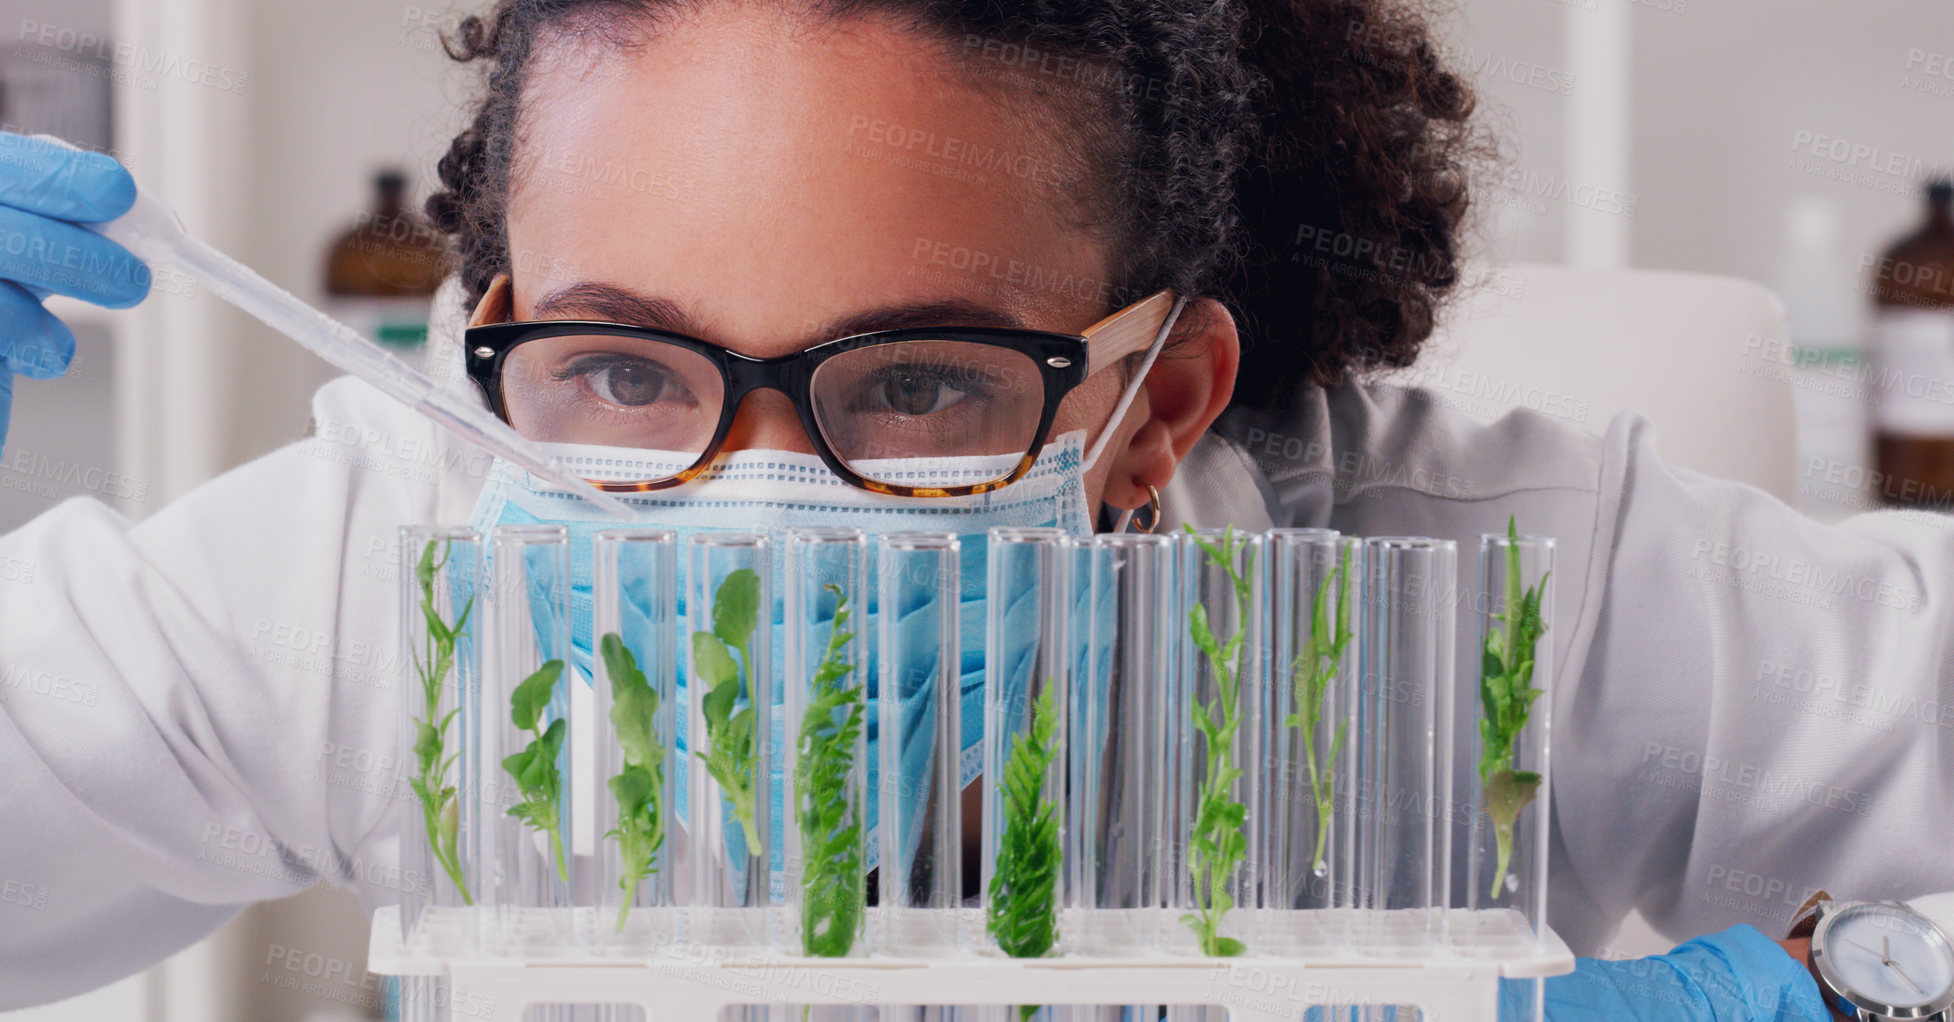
{"points": [[1313, 670], [832, 880], [732, 735], [1219, 844], [1022, 910], [1506, 696], [439, 810], [639, 786]]}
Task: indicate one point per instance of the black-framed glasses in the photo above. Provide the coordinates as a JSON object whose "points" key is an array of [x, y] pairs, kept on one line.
{"points": [[917, 412]]}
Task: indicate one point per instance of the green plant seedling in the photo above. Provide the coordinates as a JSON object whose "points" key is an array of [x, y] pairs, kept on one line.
{"points": [[534, 768], [833, 898], [1022, 914], [1506, 696], [430, 782], [1219, 844], [731, 727], [639, 785], [1311, 674]]}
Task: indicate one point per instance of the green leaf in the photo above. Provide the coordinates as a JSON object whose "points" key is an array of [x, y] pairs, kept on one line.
{"points": [[736, 608], [424, 570], [634, 704], [553, 738], [427, 742], [527, 702], [1203, 636], [436, 628], [632, 787], [517, 764], [714, 665]]}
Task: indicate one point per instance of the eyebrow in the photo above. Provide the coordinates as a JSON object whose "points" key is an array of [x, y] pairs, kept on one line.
{"points": [[615, 304]]}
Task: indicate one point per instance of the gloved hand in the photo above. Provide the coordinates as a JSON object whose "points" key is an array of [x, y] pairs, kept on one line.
{"points": [[1739, 975], [47, 188]]}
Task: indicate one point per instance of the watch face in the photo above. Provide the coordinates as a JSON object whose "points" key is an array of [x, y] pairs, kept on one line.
{"points": [[1886, 956]]}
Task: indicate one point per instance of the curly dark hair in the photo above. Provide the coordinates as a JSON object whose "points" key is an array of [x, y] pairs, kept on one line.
{"points": [[1305, 162]]}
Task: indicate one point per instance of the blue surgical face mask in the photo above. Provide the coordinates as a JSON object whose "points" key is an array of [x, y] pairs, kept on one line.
{"points": [[770, 492]]}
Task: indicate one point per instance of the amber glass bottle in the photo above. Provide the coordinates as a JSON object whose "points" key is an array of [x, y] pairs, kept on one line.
{"points": [[1913, 360], [382, 272]]}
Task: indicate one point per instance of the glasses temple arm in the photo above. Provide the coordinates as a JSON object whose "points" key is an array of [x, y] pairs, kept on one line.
{"points": [[1129, 331], [1162, 324]]}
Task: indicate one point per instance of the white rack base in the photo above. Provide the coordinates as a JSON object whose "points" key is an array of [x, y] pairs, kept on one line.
{"points": [[695, 983]]}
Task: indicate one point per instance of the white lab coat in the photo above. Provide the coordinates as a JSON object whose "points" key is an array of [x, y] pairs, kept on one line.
{"points": [[200, 711]]}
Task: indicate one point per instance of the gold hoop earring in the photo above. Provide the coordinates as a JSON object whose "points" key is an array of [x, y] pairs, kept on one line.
{"points": [[1153, 510]]}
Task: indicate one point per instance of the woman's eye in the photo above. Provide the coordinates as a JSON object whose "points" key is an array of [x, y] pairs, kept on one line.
{"points": [[629, 383], [913, 391]]}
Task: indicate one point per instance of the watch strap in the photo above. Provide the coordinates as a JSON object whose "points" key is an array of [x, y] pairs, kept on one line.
{"points": [[1805, 920]]}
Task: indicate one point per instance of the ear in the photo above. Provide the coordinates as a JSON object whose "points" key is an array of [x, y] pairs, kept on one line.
{"points": [[1187, 389], [497, 303]]}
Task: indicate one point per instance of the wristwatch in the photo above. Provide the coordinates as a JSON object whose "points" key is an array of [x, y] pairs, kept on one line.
{"points": [[1884, 961]]}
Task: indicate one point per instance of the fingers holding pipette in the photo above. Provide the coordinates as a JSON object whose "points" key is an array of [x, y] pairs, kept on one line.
{"points": [[42, 174], [67, 259], [35, 343], [48, 189]]}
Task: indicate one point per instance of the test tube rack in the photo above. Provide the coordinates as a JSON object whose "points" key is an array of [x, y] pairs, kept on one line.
{"points": [[694, 983]]}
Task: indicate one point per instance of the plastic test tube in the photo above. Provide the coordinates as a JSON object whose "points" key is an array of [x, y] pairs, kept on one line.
{"points": [[1515, 585], [827, 723], [1121, 704], [1405, 744], [1221, 595], [1026, 663], [1306, 726], [440, 574], [919, 829], [524, 712], [634, 692], [729, 689]]}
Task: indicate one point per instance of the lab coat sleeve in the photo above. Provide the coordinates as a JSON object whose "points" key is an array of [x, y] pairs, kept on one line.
{"points": [[198, 711], [1765, 706]]}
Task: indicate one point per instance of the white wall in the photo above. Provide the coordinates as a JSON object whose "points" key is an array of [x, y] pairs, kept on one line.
{"points": [[1726, 89], [1515, 54]]}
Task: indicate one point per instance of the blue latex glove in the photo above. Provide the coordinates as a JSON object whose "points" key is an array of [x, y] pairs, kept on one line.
{"points": [[1739, 975], [46, 190]]}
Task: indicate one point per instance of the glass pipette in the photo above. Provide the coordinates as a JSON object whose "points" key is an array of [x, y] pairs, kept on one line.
{"points": [[152, 232]]}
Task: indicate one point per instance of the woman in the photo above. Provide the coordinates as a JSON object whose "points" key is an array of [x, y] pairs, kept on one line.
{"points": [[765, 178]]}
